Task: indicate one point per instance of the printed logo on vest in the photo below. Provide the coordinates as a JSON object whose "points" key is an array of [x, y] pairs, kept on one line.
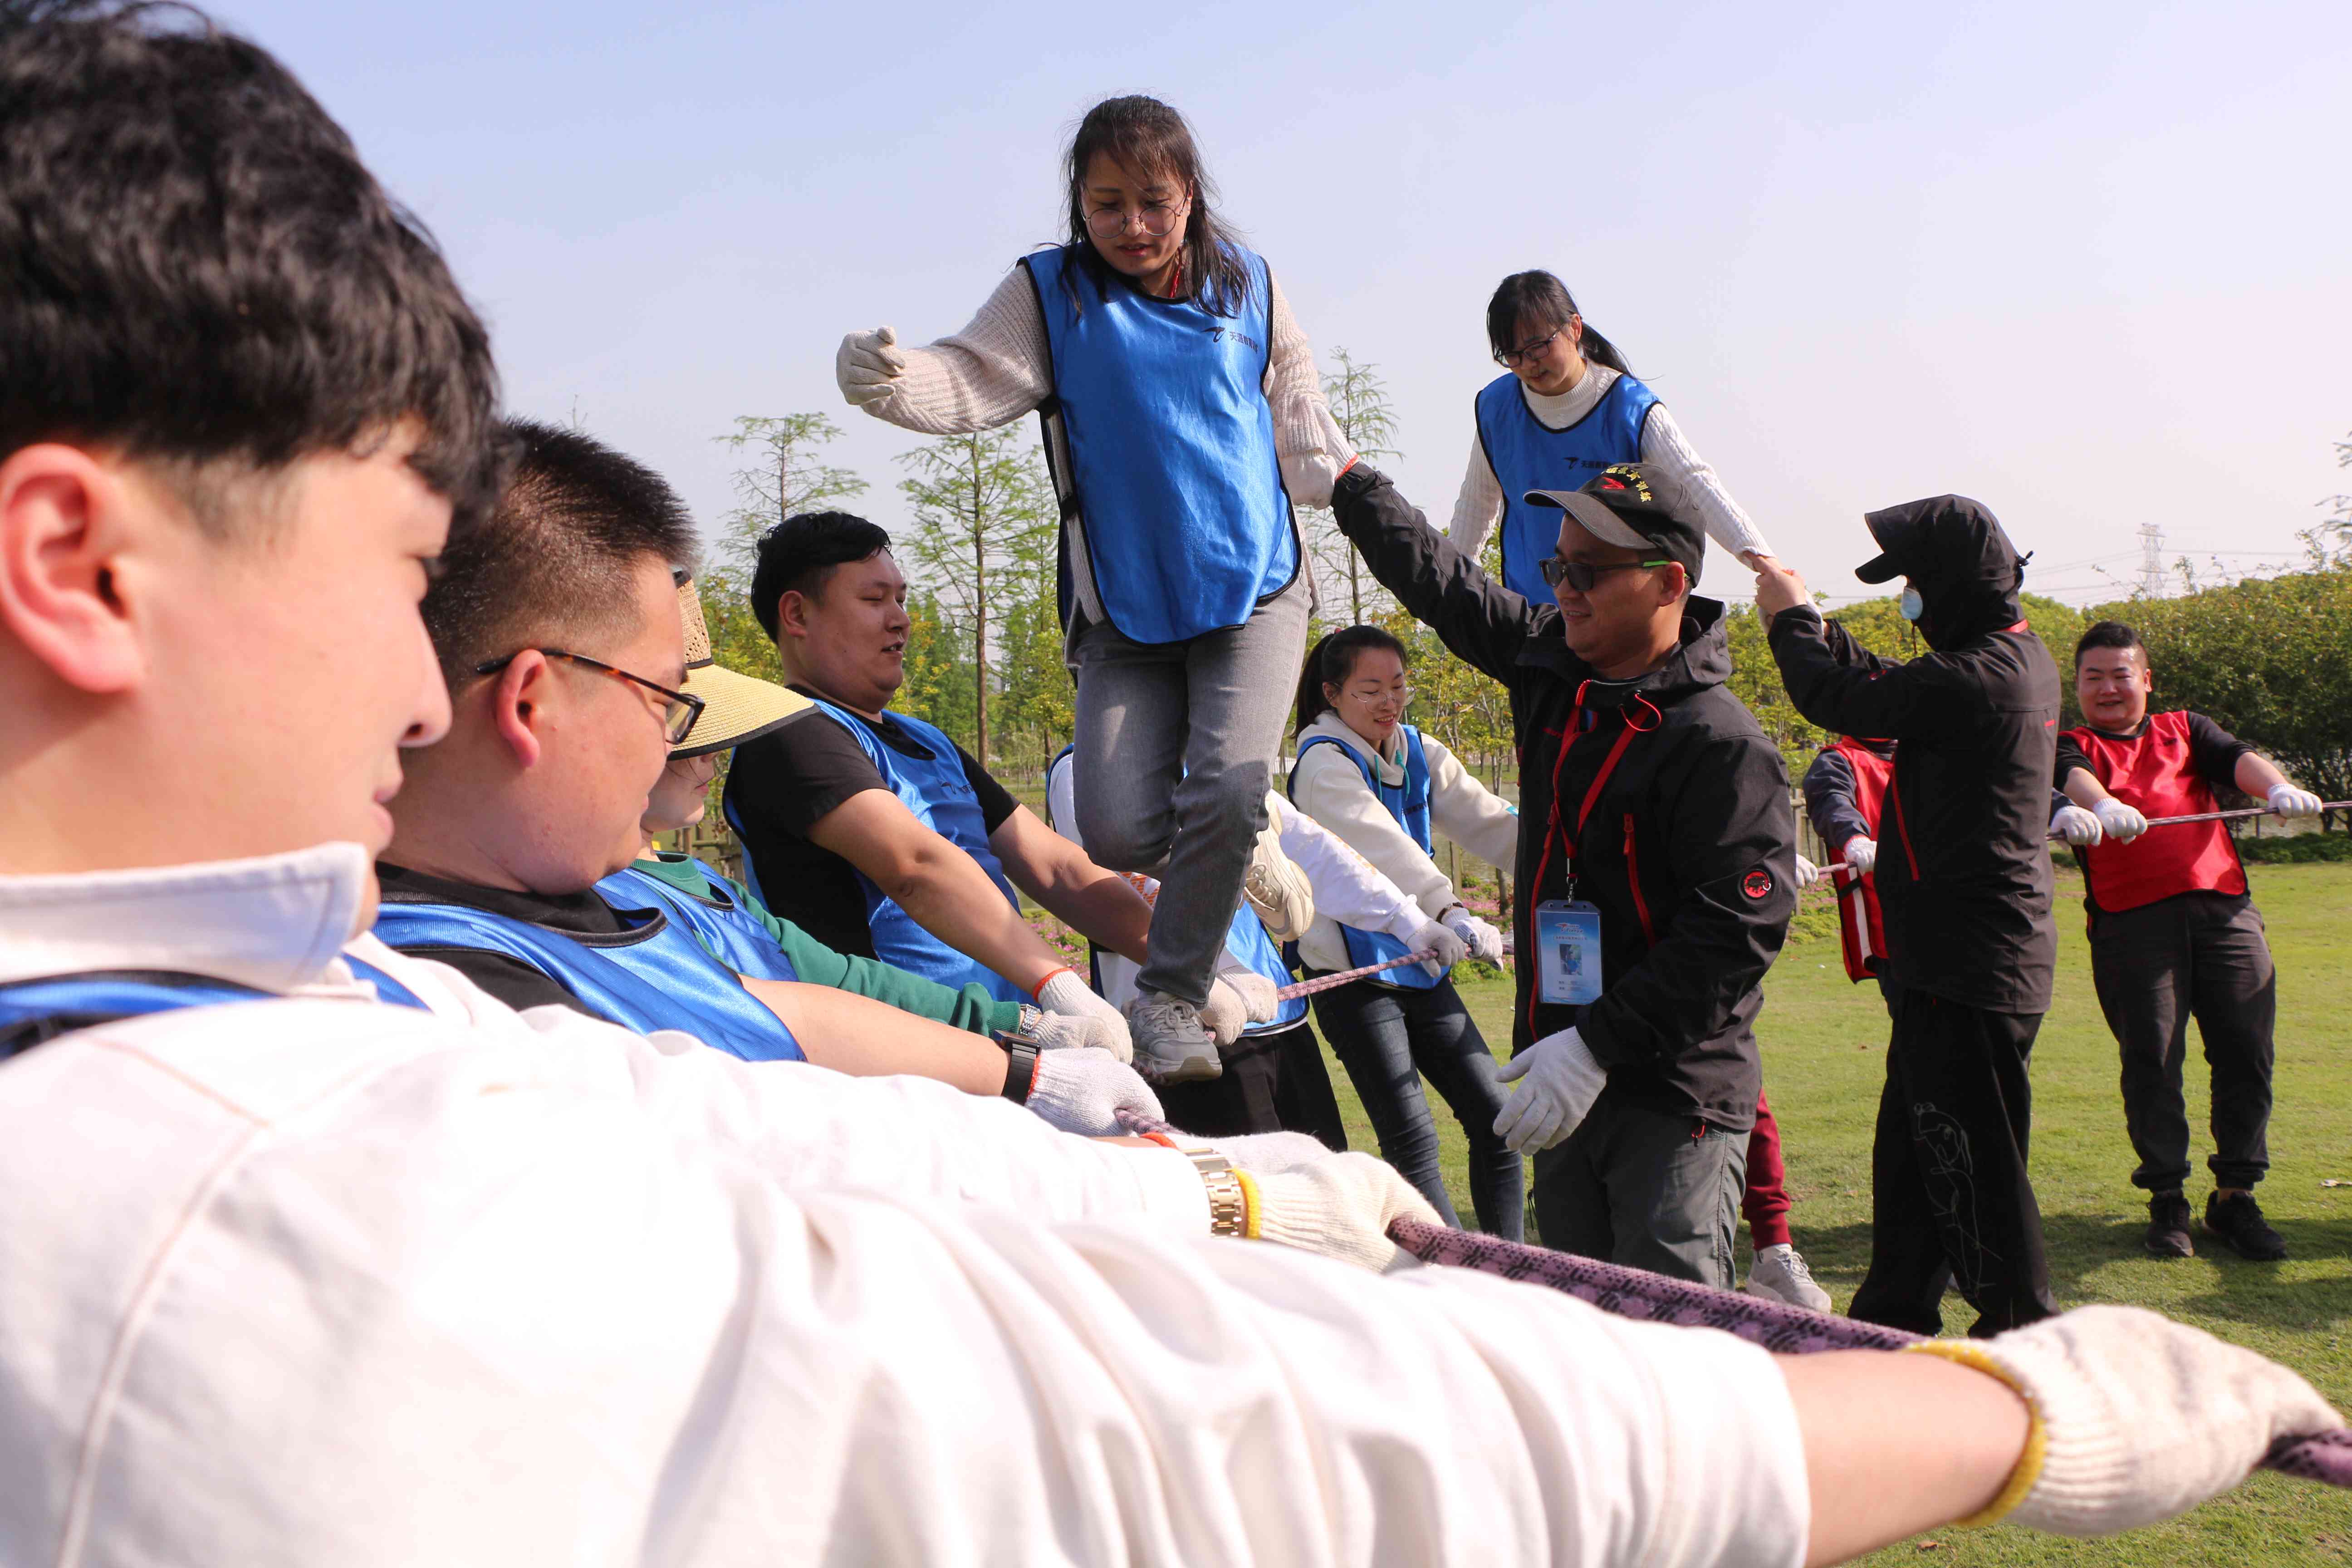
{"points": [[1219, 334], [1756, 883]]}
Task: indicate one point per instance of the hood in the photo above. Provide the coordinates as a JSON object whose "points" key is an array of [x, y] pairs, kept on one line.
{"points": [[1955, 553]]}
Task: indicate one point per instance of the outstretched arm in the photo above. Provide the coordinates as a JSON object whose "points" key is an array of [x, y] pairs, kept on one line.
{"points": [[1101, 906], [990, 373], [1483, 622]]}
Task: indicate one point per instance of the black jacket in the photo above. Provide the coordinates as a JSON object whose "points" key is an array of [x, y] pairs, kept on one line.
{"points": [[1963, 868], [1688, 848]]}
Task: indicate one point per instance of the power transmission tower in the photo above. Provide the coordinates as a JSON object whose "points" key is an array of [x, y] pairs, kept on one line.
{"points": [[2151, 561]]}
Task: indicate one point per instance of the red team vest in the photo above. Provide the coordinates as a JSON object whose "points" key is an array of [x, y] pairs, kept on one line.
{"points": [[1862, 933], [2154, 772]]}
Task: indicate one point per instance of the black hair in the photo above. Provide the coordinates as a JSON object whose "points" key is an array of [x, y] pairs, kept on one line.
{"points": [[2108, 633], [195, 266], [1147, 138], [798, 557], [1543, 301], [1332, 660], [556, 559]]}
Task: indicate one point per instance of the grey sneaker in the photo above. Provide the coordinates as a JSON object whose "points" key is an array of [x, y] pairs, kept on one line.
{"points": [[1277, 889], [1171, 1046], [1779, 1274]]}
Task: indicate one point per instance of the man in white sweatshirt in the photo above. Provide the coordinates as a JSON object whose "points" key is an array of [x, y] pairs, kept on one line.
{"points": [[293, 1276]]}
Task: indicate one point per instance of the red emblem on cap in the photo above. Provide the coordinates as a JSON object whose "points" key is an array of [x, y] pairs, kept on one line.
{"points": [[1756, 883]]}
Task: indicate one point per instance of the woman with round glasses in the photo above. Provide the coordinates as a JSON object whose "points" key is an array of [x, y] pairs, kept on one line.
{"points": [[1569, 407], [1381, 785], [1183, 417]]}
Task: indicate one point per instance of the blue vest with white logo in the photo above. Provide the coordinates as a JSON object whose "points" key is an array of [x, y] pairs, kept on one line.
{"points": [[935, 791], [1170, 448], [654, 976], [34, 1012], [1246, 939], [1408, 803], [1527, 455]]}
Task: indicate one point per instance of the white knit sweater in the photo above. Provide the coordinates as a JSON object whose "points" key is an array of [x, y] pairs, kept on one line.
{"points": [[1480, 504]]}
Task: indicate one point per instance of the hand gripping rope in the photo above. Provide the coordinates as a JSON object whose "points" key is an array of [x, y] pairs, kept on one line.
{"points": [[1775, 1325], [2168, 822]]}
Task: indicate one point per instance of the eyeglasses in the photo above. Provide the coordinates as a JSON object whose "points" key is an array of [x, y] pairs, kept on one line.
{"points": [[679, 709], [1374, 699], [1582, 575], [1511, 359], [1155, 218]]}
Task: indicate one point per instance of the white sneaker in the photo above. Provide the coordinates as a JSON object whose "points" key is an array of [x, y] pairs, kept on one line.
{"points": [[1171, 1046], [1779, 1274], [1277, 889]]}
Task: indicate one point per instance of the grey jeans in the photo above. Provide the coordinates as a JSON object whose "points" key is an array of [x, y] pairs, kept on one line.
{"points": [[1645, 1189], [1175, 751]]}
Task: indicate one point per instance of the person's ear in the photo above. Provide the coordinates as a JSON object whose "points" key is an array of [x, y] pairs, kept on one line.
{"points": [[792, 615], [519, 698], [1575, 331], [1674, 583], [64, 519]]}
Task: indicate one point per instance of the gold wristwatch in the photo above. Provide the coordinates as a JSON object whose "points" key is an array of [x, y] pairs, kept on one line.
{"points": [[1228, 1205]]}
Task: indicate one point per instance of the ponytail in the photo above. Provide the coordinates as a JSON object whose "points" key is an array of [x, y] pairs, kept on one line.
{"points": [[1541, 299], [1331, 661]]}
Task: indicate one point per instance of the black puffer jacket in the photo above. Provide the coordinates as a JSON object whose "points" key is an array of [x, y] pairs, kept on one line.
{"points": [[1963, 869], [1688, 847]]}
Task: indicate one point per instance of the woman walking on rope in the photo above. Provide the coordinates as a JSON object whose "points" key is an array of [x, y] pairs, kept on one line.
{"points": [[1183, 417], [1381, 784], [1567, 407]]}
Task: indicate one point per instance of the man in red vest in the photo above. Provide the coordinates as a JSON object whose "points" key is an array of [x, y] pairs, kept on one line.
{"points": [[1844, 791], [2173, 935]]}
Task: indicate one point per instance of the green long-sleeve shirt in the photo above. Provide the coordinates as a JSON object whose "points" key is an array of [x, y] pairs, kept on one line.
{"points": [[970, 1009]]}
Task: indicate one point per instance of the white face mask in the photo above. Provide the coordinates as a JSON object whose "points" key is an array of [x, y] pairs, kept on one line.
{"points": [[1910, 605]]}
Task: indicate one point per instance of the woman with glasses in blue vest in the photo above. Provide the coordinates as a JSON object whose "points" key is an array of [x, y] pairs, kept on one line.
{"points": [[1382, 785], [1567, 407], [1182, 417]]}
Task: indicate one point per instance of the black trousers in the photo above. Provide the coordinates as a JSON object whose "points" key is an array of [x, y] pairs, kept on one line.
{"points": [[2200, 955], [1950, 1201], [1273, 1082]]}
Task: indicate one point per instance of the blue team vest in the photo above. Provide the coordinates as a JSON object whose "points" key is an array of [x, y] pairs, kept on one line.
{"points": [[654, 976], [33, 1012], [941, 799], [723, 930], [1246, 939], [1526, 456], [1408, 803], [1171, 445]]}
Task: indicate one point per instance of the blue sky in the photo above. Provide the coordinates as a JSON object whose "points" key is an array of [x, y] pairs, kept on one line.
{"points": [[2087, 263]]}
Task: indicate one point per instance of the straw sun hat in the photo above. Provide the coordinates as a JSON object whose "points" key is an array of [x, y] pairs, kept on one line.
{"points": [[736, 708]]}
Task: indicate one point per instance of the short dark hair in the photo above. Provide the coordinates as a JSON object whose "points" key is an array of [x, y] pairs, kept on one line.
{"points": [[1332, 660], [798, 555], [2108, 633], [555, 560], [195, 266]]}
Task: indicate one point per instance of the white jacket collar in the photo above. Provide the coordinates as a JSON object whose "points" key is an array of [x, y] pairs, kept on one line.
{"points": [[1331, 724], [275, 922]]}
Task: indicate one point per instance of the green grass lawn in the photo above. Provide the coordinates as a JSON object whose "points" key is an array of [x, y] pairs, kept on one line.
{"points": [[1823, 1042]]}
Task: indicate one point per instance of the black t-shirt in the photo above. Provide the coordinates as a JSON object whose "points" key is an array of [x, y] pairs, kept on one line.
{"points": [[783, 783], [503, 975]]}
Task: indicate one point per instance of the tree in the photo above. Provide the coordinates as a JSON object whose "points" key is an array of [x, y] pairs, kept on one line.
{"points": [[783, 477], [982, 506], [1360, 408], [2329, 543]]}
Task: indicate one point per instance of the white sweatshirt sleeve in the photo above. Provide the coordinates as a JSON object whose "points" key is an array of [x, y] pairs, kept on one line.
{"points": [[1347, 888], [1663, 444], [991, 373], [411, 1302], [1466, 811], [1328, 787], [1307, 439], [1480, 503]]}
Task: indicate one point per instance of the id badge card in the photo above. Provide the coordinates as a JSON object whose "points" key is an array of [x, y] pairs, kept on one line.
{"points": [[1567, 953]]}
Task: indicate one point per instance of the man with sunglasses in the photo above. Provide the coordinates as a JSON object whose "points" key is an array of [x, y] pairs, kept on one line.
{"points": [[1656, 866]]}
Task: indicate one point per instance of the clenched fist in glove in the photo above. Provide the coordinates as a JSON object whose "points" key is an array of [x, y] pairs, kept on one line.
{"points": [[1058, 1032], [1479, 938], [1807, 872], [2289, 801], [1256, 991], [2140, 1417], [1064, 994], [1084, 1092], [1563, 1079], [866, 366], [1226, 1014], [2076, 827], [1435, 938], [2118, 821], [1860, 855], [1340, 1206]]}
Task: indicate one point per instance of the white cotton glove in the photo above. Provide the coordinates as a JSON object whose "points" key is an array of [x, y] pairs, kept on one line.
{"points": [[1224, 1014], [1340, 1206], [1807, 872], [1860, 855], [1059, 1031], [867, 365], [1069, 996], [1255, 991], [1563, 1079], [1434, 936], [1272, 1153], [2118, 821], [1482, 941], [1083, 1091], [2076, 827], [2289, 801], [2142, 1418]]}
